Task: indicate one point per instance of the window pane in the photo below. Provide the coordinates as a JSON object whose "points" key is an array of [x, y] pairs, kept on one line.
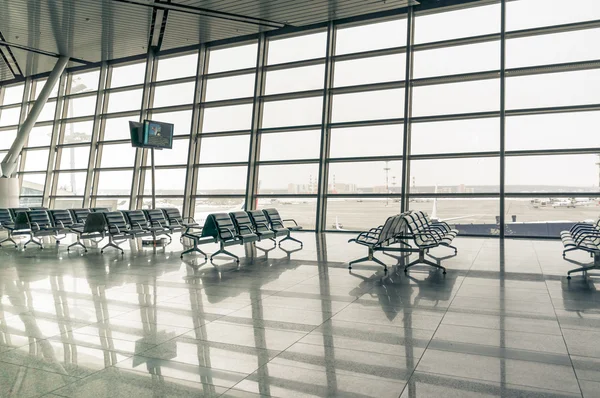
{"points": [[301, 210], [182, 120], [30, 202], [473, 135], [554, 89], [556, 173], [470, 175], [177, 155], [174, 67], [40, 136], [386, 68], [233, 58], [7, 138], [553, 131], [124, 101], [13, 94], [455, 98], [288, 179], [114, 182], [224, 149], [230, 87], [205, 206], [68, 203], [371, 37], [365, 177], [36, 160], [71, 184], [372, 105], [524, 14], [222, 180], [83, 106], [295, 79], [10, 116], [47, 112], [174, 94], [227, 118], [168, 182], [128, 75], [553, 49], [118, 128], [166, 202], [456, 60], [78, 132], [74, 157], [449, 25], [33, 184], [297, 48], [39, 85], [85, 82], [113, 204], [290, 145], [359, 214], [295, 112], [366, 141], [119, 155]]}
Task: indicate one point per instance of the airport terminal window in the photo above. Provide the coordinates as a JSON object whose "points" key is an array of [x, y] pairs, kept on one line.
{"points": [[39, 136], [181, 120], [174, 94], [371, 105], [71, 183], [168, 181], [205, 206], [553, 131], [13, 94], [84, 82], [176, 67], [78, 132], [386, 68], [381, 177], [74, 157], [525, 14], [33, 184], [467, 22], [232, 58], [6, 138], [372, 36], [295, 112], [456, 60], [36, 160], [224, 149], [227, 118], [295, 79], [47, 112], [290, 145], [81, 106], [553, 89], [241, 86], [471, 216], [117, 128], [288, 179], [178, 155], [124, 100], [117, 155], [112, 203], [456, 98], [307, 46], [359, 213], [366, 141], [37, 89], [302, 210], [114, 182], [128, 75], [68, 203], [222, 180], [10, 116], [456, 136], [162, 202]]}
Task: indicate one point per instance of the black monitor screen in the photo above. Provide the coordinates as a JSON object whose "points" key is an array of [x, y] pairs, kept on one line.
{"points": [[135, 130], [158, 135]]}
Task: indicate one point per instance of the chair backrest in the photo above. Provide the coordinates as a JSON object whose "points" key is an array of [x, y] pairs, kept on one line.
{"points": [[79, 215], [157, 218], [22, 221], [260, 221], [137, 219], [242, 222], [39, 219], [17, 210], [100, 210], [173, 215], [389, 229], [115, 219], [61, 218], [225, 227], [95, 222], [274, 218], [5, 217]]}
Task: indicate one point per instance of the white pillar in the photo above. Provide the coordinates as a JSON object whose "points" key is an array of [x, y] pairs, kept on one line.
{"points": [[9, 193]]}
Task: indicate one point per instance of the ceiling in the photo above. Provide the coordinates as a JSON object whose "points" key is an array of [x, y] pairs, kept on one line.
{"points": [[34, 33]]}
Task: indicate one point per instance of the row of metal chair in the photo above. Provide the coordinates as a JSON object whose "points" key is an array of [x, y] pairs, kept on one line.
{"points": [[583, 236]]}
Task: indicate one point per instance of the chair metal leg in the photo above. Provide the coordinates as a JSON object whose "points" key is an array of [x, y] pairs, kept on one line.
{"points": [[290, 238], [194, 249], [112, 243], [78, 243], [222, 250], [32, 240], [422, 260], [595, 265], [8, 239], [370, 257]]}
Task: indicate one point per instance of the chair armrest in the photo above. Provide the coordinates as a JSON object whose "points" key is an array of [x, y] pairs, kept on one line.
{"points": [[114, 227], [188, 229], [290, 220], [427, 235], [246, 227], [190, 219], [221, 229], [277, 223]]}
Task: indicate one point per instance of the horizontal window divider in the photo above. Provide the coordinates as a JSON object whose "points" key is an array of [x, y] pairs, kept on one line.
{"points": [[66, 196], [295, 64], [226, 164], [553, 68], [363, 195], [8, 128], [222, 133], [78, 119], [81, 144], [163, 196], [286, 195], [556, 109], [110, 196], [227, 102], [545, 30], [11, 106], [171, 108], [369, 54], [115, 142], [550, 194], [124, 168], [432, 195], [458, 78], [219, 196], [456, 116], [287, 162], [546, 152], [462, 41], [36, 148], [305, 127], [24, 172], [44, 123], [355, 159], [70, 171], [458, 155], [124, 88], [366, 123], [164, 167], [368, 87], [178, 80], [230, 73], [31, 196], [81, 95], [118, 114], [294, 95]]}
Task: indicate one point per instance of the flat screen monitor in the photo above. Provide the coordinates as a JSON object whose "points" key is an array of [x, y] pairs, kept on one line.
{"points": [[157, 135], [135, 130]]}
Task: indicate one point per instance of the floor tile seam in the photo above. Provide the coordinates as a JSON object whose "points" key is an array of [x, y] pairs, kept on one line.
{"points": [[398, 356], [505, 330]]}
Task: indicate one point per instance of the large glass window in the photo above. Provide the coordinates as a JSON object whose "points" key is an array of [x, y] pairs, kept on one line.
{"points": [[296, 112], [290, 145], [360, 213], [39, 136], [78, 132], [456, 98], [224, 149], [175, 67], [124, 100], [118, 128], [302, 210], [10, 116], [84, 82], [168, 182], [81, 106], [292, 179], [366, 141], [71, 184], [36, 160], [227, 118], [230, 87], [117, 155], [525, 14], [295, 79], [458, 59], [385, 68], [13, 94], [232, 58], [128, 75], [297, 48], [457, 136], [74, 157], [117, 182], [373, 36], [178, 155], [6, 138], [174, 94], [382, 177], [182, 120], [33, 184], [371, 105], [222, 180]]}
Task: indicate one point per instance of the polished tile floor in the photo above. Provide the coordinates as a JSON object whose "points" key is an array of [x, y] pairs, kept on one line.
{"points": [[504, 322]]}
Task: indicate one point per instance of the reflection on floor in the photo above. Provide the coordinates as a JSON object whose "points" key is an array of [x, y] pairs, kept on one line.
{"points": [[504, 321]]}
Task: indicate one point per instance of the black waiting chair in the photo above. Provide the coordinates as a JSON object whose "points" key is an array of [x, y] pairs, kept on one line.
{"points": [[158, 219], [141, 226], [177, 222], [99, 209], [40, 225], [16, 210], [63, 221], [79, 215], [261, 225], [93, 228], [7, 224], [118, 230], [278, 226]]}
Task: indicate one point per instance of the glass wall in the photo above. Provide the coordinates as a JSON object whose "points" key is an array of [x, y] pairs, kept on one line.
{"points": [[317, 124]]}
